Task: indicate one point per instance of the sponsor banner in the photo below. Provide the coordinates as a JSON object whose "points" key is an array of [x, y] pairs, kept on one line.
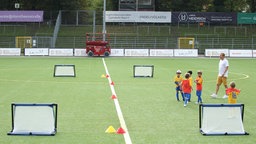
{"points": [[138, 16], [161, 52], [60, 52], [216, 52], [10, 51], [80, 52], [240, 53], [136, 52], [21, 16], [186, 52], [205, 17], [254, 53], [117, 52], [36, 51], [246, 18]]}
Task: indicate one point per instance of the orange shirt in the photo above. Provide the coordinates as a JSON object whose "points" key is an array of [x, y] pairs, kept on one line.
{"points": [[199, 84], [186, 86], [232, 95]]}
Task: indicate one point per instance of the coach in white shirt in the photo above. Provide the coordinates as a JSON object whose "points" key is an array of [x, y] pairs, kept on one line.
{"points": [[223, 75]]}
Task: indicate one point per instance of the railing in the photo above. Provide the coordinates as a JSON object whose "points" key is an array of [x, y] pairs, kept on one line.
{"points": [[142, 42]]}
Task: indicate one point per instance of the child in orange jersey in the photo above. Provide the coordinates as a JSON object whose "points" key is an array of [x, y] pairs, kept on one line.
{"points": [[186, 88], [191, 81], [199, 87]]}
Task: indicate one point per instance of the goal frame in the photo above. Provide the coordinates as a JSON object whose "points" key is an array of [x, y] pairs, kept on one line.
{"points": [[201, 106], [186, 42], [55, 111], [143, 66], [64, 65]]}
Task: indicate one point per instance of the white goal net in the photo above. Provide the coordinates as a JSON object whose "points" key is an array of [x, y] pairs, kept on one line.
{"points": [[143, 70], [34, 119], [64, 71], [221, 119]]}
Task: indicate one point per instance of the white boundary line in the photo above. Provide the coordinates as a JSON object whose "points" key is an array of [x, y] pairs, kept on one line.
{"points": [[118, 108], [245, 76]]}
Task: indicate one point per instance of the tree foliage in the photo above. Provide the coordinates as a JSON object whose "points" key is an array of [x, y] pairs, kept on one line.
{"points": [[190, 5], [251, 5], [228, 6], [160, 5]]}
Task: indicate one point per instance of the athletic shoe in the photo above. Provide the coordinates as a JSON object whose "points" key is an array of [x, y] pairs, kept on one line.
{"points": [[225, 96], [185, 105], [214, 95]]}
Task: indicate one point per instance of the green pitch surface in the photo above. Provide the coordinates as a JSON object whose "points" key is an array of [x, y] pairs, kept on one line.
{"points": [[149, 106]]}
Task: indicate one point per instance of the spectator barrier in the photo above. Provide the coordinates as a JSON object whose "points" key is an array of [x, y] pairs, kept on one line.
{"points": [[129, 52]]}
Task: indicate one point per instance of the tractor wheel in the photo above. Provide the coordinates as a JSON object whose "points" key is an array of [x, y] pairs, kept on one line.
{"points": [[90, 53], [106, 53]]}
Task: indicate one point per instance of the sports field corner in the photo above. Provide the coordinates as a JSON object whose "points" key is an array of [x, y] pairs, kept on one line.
{"points": [[149, 108]]}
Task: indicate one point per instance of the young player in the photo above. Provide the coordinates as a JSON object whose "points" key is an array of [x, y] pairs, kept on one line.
{"points": [[191, 81], [186, 88], [177, 80], [199, 86], [232, 93]]}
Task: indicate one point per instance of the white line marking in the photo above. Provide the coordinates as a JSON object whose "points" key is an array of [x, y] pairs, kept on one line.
{"points": [[118, 108], [245, 76]]}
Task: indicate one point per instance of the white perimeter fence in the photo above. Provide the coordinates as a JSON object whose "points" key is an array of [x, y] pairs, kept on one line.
{"points": [[129, 52]]}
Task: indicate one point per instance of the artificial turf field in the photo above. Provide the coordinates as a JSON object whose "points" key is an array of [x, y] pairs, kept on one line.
{"points": [[149, 106]]}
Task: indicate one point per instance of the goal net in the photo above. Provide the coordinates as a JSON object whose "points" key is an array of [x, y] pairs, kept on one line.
{"points": [[221, 119], [186, 43], [64, 70], [143, 70], [34, 119]]}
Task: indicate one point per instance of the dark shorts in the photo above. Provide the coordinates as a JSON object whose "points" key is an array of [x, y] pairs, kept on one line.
{"points": [[178, 88]]}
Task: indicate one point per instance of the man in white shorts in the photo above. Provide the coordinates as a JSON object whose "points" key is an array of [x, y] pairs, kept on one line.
{"points": [[222, 76]]}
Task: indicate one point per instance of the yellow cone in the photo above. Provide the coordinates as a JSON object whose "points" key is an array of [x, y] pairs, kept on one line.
{"points": [[103, 76], [110, 129]]}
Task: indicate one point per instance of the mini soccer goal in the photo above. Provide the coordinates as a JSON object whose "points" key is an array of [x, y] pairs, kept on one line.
{"points": [[143, 71], [221, 119], [186, 42], [34, 119], [64, 70]]}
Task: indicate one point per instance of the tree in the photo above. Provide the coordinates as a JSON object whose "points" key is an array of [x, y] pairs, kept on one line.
{"points": [[46, 4], [228, 5], [163, 5], [218, 6], [160, 5], [182, 5], [235, 5], [252, 5]]}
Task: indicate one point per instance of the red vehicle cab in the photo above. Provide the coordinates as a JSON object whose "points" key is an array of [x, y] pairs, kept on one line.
{"points": [[97, 45]]}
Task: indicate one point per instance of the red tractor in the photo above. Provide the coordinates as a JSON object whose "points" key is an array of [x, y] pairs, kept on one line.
{"points": [[97, 44]]}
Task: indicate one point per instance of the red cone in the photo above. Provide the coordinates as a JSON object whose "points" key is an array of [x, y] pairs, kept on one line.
{"points": [[112, 83], [107, 76], [113, 97], [120, 131]]}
